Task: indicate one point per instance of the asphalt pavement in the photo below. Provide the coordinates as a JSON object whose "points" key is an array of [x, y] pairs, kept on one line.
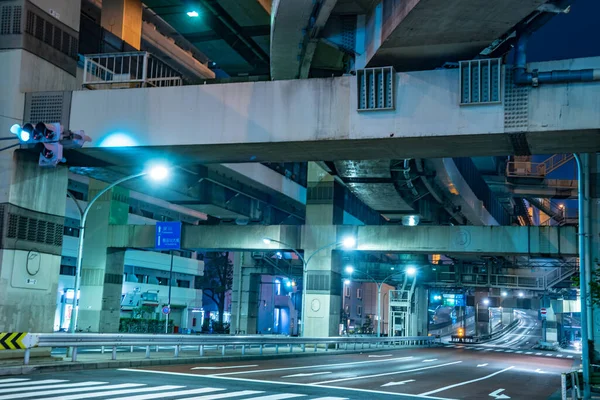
{"points": [[439, 373]]}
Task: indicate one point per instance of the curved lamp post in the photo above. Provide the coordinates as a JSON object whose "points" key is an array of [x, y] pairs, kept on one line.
{"points": [[348, 243], [157, 173]]}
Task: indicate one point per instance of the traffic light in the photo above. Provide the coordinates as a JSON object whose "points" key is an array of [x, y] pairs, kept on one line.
{"points": [[50, 155], [460, 332], [49, 139], [40, 133]]}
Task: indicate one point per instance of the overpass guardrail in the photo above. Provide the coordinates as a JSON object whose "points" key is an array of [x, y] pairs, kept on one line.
{"points": [[246, 343]]}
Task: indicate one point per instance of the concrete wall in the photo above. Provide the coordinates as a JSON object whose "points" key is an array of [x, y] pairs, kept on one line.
{"points": [[324, 110]]}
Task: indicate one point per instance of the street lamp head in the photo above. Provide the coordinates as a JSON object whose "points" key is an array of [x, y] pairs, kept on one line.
{"points": [[411, 271], [349, 269], [193, 14], [486, 301], [349, 242], [266, 241], [346, 281], [158, 172], [521, 294], [504, 294]]}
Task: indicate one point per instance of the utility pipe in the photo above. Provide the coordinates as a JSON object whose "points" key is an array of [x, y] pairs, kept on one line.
{"points": [[523, 77], [583, 293]]}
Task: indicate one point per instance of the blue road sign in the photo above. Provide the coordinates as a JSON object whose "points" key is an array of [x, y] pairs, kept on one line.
{"points": [[168, 236]]}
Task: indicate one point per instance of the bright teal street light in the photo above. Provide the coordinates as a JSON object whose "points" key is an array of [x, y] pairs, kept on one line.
{"points": [[157, 172]]}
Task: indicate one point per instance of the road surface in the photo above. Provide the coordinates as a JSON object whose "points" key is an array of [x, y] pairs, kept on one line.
{"points": [[526, 335], [441, 372]]}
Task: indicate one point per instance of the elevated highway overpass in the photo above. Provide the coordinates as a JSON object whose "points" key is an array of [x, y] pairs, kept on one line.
{"points": [[317, 119]]}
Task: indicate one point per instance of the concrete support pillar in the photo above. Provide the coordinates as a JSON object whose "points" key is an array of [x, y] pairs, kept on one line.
{"points": [[593, 240], [508, 316], [32, 209], [246, 282], [323, 288], [551, 326], [124, 19], [419, 315], [102, 268]]}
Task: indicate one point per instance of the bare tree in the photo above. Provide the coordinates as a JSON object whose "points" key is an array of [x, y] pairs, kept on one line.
{"points": [[218, 279]]}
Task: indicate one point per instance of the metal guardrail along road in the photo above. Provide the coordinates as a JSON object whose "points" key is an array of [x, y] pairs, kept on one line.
{"points": [[246, 343]]}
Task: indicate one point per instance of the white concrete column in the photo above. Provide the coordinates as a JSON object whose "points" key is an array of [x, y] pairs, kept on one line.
{"points": [[32, 207], [246, 284], [102, 268], [323, 298], [593, 240]]}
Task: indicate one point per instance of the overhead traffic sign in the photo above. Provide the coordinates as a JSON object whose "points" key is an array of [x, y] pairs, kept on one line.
{"points": [[168, 236]]}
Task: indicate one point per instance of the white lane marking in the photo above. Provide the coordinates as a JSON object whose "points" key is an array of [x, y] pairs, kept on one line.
{"points": [[61, 386], [430, 360], [31, 383], [379, 355], [549, 355], [529, 352], [559, 355], [398, 383], [314, 366], [509, 351], [230, 367], [9, 380], [386, 373], [73, 390], [328, 398], [481, 365], [247, 380], [220, 396], [569, 356], [281, 397], [466, 382], [538, 354], [126, 391], [518, 352], [497, 394], [308, 374]]}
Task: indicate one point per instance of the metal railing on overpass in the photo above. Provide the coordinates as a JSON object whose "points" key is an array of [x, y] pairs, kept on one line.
{"points": [[248, 344]]}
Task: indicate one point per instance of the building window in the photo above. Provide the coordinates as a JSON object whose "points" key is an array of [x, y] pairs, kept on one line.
{"points": [[359, 310], [183, 284], [347, 309], [359, 294], [68, 231], [198, 283], [67, 270], [347, 291], [163, 281]]}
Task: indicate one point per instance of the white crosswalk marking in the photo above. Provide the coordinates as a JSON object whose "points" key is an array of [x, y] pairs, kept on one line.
{"points": [[169, 394], [518, 352], [529, 352], [559, 355], [9, 380], [569, 356], [277, 396], [118, 393], [81, 388], [223, 395], [30, 383], [61, 386]]}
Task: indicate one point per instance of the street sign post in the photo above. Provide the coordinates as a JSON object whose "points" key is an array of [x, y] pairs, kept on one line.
{"points": [[543, 313], [168, 236]]}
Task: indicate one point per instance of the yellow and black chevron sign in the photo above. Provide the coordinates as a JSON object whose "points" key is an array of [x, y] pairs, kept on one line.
{"points": [[12, 340]]}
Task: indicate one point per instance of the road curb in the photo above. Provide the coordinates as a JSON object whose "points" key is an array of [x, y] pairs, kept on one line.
{"points": [[152, 362]]}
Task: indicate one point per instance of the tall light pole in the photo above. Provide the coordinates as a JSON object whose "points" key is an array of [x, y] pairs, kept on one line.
{"points": [[157, 173], [410, 271], [348, 243]]}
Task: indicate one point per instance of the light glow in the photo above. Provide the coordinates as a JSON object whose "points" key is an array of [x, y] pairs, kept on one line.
{"points": [[411, 271], [349, 242], [349, 269], [193, 14], [266, 241], [158, 172]]}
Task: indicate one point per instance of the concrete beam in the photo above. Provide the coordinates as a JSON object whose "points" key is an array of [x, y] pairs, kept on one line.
{"points": [[209, 237], [317, 120], [489, 240]]}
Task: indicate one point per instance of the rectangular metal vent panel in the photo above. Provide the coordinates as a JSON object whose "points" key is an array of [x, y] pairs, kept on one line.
{"points": [[375, 89], [34, 230], [10, 19], [48, 107], [480, 81]]}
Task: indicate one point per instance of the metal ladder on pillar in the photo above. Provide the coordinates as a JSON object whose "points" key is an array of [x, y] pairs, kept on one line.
{"points": [[400, 308]]}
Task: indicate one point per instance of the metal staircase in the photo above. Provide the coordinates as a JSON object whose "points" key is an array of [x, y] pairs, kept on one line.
{"points": [[400, 312], [558, 275], [522, 212], [528, 169], [548, 207]]}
